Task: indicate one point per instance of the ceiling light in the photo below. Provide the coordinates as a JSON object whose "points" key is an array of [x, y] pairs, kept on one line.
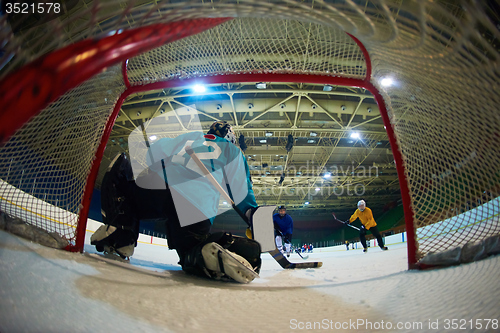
{"points": [[327, 87], [317, 189], [261, 85], [153, 137], [199, 88], [386, 82], [262, 141], [313, 134], [268, 134], [355, 135], [306, 203], [311, 141], [327, 175]]}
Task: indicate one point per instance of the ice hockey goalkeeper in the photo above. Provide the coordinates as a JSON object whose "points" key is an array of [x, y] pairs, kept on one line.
{"points": [[173, 190]]}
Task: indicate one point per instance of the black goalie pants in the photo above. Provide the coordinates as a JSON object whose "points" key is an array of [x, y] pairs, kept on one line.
{"points": [[158, 204], [125, 204]]}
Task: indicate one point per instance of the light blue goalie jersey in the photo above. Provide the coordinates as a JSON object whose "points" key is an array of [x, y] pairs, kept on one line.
{"points": [[168, 158]]}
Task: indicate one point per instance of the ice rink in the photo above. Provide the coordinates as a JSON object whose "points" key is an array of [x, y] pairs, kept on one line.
{"points": [[47, 290]]}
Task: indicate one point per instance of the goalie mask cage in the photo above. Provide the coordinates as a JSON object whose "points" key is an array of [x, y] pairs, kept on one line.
{"points": [[65, 76]]}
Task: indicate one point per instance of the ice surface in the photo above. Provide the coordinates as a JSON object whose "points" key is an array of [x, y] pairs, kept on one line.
{"points": [[48, 290]]}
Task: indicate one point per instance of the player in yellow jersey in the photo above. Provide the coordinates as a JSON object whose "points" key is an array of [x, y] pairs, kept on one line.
{"points": [[365, 215]]}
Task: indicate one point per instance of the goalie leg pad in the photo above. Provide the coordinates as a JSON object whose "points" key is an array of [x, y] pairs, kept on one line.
{"points": [[221, 262], [111, 239], [248, 249], [117, 206], [239, 257]]}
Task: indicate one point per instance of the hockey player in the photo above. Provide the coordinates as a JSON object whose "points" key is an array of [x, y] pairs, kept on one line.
{"points": [[283, 226], [365, 215], [173, 190]]}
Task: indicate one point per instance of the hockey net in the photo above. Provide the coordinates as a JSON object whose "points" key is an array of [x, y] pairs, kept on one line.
{"points": [[441, 113]]}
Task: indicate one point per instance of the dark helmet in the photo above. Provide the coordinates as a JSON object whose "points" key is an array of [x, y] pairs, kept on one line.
{"points": [[281, 207], [222, 129]]}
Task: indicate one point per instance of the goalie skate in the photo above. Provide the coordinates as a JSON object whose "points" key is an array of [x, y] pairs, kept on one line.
{"points": [[222, 263], [111, 253], [107, 239]]}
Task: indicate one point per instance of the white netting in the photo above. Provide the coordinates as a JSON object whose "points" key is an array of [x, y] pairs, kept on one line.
{"points": [[442, 55], [445, 118], [253, 46], [50, 157]]}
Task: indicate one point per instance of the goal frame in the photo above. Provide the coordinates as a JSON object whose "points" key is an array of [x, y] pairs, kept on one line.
{"points": [[68, 72]]}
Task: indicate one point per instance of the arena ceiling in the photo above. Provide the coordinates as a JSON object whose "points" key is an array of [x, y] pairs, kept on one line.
{"points": [[340, 150]]}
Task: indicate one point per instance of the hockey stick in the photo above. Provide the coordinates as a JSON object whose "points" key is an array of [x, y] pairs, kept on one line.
{"points": [[348, 224], [300, 255], [276, 254]]}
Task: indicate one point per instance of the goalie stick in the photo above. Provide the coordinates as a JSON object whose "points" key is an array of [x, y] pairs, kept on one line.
{"points": [[348, 224], [275, 253]]}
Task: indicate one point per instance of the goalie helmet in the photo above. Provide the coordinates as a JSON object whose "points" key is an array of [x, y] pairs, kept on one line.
{"points": [[361, 205], [222, 129]]}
